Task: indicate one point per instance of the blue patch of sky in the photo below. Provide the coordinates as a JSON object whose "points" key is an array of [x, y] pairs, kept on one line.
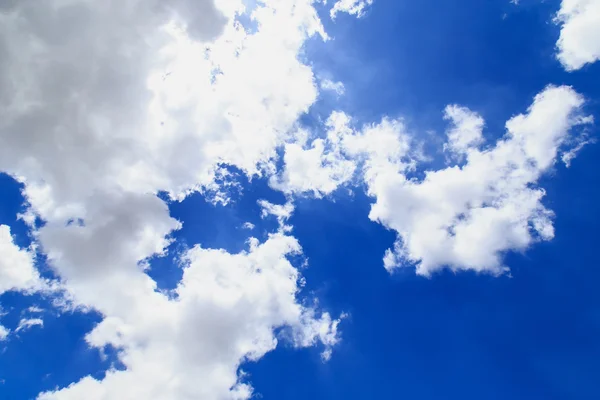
{"points": [[12, 205], [39, 359], [411, 59]]}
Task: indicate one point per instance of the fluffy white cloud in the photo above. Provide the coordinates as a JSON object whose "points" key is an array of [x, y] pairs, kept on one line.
{"points": [[352, 7], [465, 217], [329, 162], [318, 168], [466, 130], [226, 310], [281, 212], [120, 97], [379, 146], [103, 105], [17, 270], [579, 41]]}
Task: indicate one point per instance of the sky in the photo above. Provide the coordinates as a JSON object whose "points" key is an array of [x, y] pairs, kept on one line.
{"points": [[299, 199]]}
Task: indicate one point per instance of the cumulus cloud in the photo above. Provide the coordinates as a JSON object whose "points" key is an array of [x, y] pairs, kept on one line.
{"points": [[318, 168], [17, 270], [352, 7], [579, 41], [326, 163], [227, 308], [121, 97], [465, 131], [465, 217], [106, 104]]}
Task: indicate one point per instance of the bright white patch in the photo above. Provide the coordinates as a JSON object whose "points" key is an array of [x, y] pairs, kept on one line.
{"points": [[4, 332], [380, 146], [17, 271], [330, 162], [248, 225], [26, 324], [466, 129], [352, 7], [579, 42], [467, 217], [319, 168], [281, 212]]}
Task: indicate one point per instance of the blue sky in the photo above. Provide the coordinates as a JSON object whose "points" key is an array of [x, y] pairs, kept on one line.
{"points": [[200, 216]]}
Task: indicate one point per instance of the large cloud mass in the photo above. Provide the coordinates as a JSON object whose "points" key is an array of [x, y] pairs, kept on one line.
{"points": [[465, 216], [105, 104], [226, 308]]}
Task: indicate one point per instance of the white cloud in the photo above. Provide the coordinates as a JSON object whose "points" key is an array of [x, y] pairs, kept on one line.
{"points": [[227, 308], [4, 332], [466, 217], [579, 41], [26, 324], [248, 225], [466, 130], [352, 7], [318, 168], [282, 212], [330, 162], [337, 87], [103, 105], [382, 147], [17, 271], [579, 144], [198, 104]]}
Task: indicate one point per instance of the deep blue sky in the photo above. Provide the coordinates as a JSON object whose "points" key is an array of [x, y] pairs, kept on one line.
{"points": [[534, 335]]}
